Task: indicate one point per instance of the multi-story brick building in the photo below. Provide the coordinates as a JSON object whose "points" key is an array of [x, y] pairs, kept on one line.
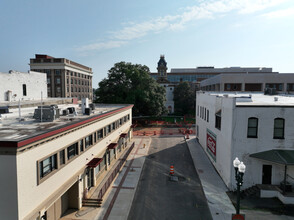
{"points": [[65, 78]]}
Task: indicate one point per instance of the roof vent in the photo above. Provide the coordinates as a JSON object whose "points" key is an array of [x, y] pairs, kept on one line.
{"points": [[276, 98]]}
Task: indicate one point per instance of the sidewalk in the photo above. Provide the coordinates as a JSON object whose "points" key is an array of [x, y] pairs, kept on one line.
{"points": [[118, 199], [214, 188]]}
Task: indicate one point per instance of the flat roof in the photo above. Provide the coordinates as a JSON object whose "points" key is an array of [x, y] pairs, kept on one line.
{"points": [[257, 99], [17, 133]]}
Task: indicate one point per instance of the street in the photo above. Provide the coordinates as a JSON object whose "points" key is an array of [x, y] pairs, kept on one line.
{"points": [[157, 197]]}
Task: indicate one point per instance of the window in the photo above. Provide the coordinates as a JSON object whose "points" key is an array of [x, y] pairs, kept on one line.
{"points": [[89, 141], [24, 89], [207, 115], [61, 157], [100, 134], [113, 126], [95, 137], [82, 145], [197, 110], [279, 128], [108, 129], [120, 121], [48, 165], [72, 151], [57, 72], [204, 113], [128, 117], [57, 80], [48, 80], [252, 127], [218, 120], [58, 89]]}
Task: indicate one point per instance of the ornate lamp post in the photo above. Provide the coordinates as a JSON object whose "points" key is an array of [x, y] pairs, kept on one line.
{"points": [[239, 172]]}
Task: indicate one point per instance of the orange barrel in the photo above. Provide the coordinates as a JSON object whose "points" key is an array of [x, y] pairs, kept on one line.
{"points": [[171, 170]]}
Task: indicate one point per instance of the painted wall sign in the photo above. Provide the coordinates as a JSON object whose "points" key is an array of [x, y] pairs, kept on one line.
{"points": [[211, 144]]}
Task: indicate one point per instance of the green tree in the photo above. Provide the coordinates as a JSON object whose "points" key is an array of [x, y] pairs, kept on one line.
{"points": [[131, 84], [184, 99]]}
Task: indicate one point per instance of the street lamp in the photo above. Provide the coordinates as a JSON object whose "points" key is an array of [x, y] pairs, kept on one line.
{"points": [[239, 172]]}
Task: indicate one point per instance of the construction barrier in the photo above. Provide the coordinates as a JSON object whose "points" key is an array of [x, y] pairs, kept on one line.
{"points": [[171, 170]]}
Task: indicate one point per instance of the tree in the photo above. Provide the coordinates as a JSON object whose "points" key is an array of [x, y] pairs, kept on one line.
{"points": [[131, 84], [184, 99]]}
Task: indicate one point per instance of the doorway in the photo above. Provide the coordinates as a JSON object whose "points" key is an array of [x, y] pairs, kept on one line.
{"points": [[267, 174], [90, 178]]}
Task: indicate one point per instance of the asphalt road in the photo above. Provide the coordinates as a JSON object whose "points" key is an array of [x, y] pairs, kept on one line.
{"points": [[157, 197]]}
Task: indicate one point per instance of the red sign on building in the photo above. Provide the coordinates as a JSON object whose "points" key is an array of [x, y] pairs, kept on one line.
{"points": [[211, 144]]}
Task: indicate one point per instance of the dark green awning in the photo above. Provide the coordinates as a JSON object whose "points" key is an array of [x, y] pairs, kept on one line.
{"points": [[285, 157]]}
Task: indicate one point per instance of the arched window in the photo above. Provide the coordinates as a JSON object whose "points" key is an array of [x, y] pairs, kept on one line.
{"points": [[279, 127], [252, 127]]}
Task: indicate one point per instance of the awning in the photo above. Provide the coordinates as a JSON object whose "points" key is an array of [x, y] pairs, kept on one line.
{"points": [[285, 157], [123, 135], [94, 162], [112, 146]]}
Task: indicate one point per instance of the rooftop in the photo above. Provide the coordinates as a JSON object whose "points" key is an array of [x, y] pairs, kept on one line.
{"points": [[257, 99], [14, 130], [222, 70]]}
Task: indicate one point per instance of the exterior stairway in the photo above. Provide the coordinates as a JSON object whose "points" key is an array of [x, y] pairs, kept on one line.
{"points": [[252, 191], [92, 202]]}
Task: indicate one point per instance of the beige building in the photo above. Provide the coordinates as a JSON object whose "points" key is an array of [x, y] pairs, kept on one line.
{"points": [[65, 78], [169, 80], [49, 167], [250, 82]]}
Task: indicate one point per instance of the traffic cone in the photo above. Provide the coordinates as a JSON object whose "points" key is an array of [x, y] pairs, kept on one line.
{"points": [[171, 170]]}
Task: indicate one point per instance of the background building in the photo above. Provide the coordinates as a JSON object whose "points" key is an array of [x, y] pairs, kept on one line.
{"points": [[25, 86], [193, 75], [65, 78], [47, 168], [230, 125], [253, 82]]}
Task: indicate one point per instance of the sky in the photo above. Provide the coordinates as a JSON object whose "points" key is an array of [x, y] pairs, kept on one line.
{"points": [[98, 34]]}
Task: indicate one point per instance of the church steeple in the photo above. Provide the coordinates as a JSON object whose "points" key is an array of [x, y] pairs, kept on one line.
{"points": [[162, 68]]}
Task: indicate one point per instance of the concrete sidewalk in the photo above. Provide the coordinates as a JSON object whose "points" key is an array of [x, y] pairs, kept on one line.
{"points": [[220, 205], [117, 201]]}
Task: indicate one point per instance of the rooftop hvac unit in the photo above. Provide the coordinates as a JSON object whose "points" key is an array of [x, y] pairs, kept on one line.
{"points": [[48, 113], [270, 91], [71, 110], [87, 111], [65, 112], [92, 106]]}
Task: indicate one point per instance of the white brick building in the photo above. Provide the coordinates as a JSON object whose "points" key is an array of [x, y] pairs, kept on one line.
{"points": [[25, 86], [230, 125]]}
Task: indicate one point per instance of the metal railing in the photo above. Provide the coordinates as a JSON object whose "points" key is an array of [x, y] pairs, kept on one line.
{"points": [[114, 173]]}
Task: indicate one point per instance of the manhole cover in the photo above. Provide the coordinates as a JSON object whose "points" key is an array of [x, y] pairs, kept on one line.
{"points": [[174, 178]]}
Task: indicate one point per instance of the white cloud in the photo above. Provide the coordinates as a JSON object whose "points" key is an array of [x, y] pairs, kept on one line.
{"points": [[207, 9], [101, 45], [280, 13]]}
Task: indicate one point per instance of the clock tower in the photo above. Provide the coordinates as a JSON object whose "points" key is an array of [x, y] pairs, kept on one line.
{"points": [[161, 70]]}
